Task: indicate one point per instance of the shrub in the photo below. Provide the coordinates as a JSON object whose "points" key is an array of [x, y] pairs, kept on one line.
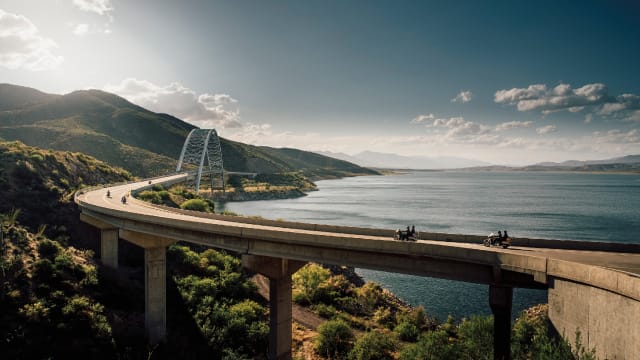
{"points": [[326, 311], [196, 205], [43, 270], [476, 335], [48, 249], [308, 279], [373, 345], [433, 345], [383, 316], [407, 331], [334, 339], [370, 296]]}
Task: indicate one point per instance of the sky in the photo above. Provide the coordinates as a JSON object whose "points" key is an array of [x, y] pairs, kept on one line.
{"points": [[505, 82]]}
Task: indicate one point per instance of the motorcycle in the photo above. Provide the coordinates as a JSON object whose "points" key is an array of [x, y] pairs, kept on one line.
{"points": [[495, 240]]}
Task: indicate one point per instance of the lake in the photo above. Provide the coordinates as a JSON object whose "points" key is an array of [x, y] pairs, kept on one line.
{"points": [[574, 206]]}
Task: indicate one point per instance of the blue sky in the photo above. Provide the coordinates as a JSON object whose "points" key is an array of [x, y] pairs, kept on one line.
{"points": [[508, 82]]}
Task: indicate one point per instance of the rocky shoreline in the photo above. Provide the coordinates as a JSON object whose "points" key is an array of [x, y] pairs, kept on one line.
{"points": [[258, 195]]}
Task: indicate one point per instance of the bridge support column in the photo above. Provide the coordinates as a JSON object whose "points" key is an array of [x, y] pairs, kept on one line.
{"points": [[279, 273], [155, 294], [500, 298], [109, 247]]}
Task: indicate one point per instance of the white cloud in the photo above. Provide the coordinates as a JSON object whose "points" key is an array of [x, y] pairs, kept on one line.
{"points": [[546, 129], [616, 136], [463, 97], [21, 45], [420, 119], [588, 118], [591, 98], [513, 125], [203, 110], [561, 97], [81, 29], [100, 7], [457, 129]]}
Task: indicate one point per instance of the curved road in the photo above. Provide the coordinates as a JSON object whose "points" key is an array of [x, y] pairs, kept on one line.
{"points": [[96, 201], [595, 292]]}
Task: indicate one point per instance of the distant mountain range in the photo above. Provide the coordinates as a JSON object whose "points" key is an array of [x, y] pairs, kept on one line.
{"points": [[395, 161], [624, 164], [114, 130]]}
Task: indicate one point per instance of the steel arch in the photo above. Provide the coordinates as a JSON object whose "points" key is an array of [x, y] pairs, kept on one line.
{"points": [[201, 144]]}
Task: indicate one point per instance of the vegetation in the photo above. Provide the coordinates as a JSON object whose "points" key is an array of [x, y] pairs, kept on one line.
{"points": [[48, 299], [335, 339], [221, 300], [42, 183]]}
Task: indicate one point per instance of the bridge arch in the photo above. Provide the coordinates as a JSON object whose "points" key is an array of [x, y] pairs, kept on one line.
{"points": [[199, 145]]}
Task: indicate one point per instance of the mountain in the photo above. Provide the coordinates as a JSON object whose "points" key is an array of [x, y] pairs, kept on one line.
{"points": [[624, 164], [629, 159], [123, 134], [395, 161]]}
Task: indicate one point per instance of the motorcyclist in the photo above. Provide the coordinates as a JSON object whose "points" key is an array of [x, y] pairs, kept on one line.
{"points": [[108, 193], [124, 199]]}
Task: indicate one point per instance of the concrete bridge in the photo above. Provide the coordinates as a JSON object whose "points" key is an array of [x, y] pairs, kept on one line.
{"points": [[593, 287]]}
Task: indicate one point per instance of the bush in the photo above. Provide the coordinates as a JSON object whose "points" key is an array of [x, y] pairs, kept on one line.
{"points": [[43, 271], [196, 205], [308, 279], [433, 345], [407, 331], [48, 249], [373, 345], [334, 339], [384, 317], [326, 311], [476, 335]]}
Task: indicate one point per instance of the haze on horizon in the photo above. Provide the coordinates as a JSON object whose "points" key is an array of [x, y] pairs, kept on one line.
{"points": [[502, 82]]}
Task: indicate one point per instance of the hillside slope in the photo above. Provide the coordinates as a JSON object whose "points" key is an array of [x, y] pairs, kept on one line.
{"points": [[41, 183], [123, 134]]}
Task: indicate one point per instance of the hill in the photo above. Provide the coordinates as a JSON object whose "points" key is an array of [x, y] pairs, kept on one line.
{"points": [[145, 143], [42, 182]]}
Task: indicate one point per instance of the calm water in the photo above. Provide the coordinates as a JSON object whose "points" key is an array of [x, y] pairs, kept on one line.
{"points": [[539, 205]]}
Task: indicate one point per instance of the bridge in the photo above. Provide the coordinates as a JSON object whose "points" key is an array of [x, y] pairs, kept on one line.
{"points": [[594, 287]]}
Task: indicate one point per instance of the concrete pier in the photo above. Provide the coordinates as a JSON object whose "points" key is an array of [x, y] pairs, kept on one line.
{"points": [[155, 294], [500, 298], [279, 272], [109, 247]]}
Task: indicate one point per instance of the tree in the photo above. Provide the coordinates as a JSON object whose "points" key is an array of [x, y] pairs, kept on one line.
{"points": [[334, 340]]}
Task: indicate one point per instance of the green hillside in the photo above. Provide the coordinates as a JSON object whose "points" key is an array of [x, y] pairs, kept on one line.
{"points": [[41, 183], [123, 134]]}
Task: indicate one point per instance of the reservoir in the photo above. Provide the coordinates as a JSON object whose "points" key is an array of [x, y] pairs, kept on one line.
{"points": [[572, 206]]}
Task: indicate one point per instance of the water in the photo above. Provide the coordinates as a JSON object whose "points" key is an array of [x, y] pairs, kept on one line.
{"points": [[604, 207]]}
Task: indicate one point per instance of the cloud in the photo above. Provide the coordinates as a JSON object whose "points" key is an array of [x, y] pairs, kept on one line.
{"points": [[616, 136], [420, 119], [22, 47], [100, 7], [457, 129], [203, 110], [463, 97], [513, 125], [546, 129], [591, 98], [81, 29], [559, 98]]}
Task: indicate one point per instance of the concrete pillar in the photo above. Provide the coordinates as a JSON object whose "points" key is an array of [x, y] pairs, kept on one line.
{"points": [[155, 294], [109, 247], [500, 298], [280, 318], [279, 273]]}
